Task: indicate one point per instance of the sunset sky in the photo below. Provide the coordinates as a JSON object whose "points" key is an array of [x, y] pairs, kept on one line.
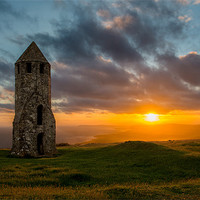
{"points": [[112, 62]]}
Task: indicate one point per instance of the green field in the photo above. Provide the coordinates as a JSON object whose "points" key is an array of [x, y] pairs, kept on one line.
{"points": [[130, 170]]}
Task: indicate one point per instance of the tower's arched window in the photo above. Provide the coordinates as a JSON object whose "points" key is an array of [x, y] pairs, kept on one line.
{"points": [[41, 68], [18, 68], [39, 114], [28, 67]]}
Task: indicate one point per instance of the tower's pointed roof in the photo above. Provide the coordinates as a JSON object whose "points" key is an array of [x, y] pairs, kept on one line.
{"points": [[32, 53]]}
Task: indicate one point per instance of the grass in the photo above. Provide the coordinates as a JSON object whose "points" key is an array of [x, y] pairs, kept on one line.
{"points": [[130, 170]]}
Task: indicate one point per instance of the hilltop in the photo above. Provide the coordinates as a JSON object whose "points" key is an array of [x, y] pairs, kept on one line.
{"points": [[141, 170]]}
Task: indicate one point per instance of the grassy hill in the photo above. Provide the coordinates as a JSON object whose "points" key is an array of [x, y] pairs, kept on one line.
{"points": [[130, 170]]}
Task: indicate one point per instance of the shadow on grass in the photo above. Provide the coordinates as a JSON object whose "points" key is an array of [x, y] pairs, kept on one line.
{"points": [[76, 179]]}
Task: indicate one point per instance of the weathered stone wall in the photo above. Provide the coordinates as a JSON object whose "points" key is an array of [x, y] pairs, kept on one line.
{"points": [[31, 90], [27, 83]]}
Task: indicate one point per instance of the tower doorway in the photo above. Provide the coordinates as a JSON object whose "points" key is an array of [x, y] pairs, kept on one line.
{"points": [[40, 143]]}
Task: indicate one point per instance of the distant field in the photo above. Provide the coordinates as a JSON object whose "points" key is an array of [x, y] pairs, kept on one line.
{"points": [[130, 170]]}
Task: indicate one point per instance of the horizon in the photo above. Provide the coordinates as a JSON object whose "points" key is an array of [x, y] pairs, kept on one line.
{"points": [[84, 134]]}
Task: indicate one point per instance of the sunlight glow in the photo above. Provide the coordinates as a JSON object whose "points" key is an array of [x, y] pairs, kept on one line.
{"points": [[151, 117]]}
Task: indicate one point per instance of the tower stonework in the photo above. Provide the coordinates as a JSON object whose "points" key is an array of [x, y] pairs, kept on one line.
{"points": [[34, 129]]}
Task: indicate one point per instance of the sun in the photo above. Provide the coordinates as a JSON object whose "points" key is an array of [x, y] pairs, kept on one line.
{"points": [[151, 117]]}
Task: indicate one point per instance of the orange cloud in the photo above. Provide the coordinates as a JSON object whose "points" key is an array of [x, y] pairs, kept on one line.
{"points": [[190, 53], [58, 65], [6, 96], [196, 2], [184, 2], [185, 18], [103, 13], [102, 58], [119, 22]]}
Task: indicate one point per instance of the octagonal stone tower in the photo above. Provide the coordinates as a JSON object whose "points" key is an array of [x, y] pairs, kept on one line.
{"points": [[34, 128]]}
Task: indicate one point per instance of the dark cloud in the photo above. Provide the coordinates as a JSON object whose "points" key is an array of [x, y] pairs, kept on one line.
{"points": [[91, 81], [7, 107], [186, 67], [6, 74], [6, 86], [8, 13], [7, 54], [6, 9], [123, 61]]}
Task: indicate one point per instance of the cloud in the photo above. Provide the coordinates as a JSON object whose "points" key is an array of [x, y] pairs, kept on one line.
{"points": [[60, 4], [185, 18], [6, 107], [119, 22], [128, 65], [6, 9], [12, 17], [184, 2], [103, 13], [185, 67], [6, 86], [6, 74], [196, 2], [185, 71]]}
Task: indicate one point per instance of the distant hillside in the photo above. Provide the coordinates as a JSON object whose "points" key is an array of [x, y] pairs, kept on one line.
{"points": [[113, 134], [5, 137], [159, 132]]}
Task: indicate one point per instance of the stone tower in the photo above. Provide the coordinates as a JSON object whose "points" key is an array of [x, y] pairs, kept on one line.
{"points": [[34, 128]]}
